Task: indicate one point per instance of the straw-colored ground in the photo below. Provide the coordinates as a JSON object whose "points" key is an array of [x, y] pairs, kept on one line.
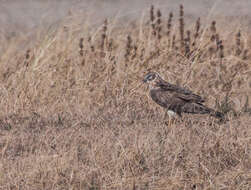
{"points": [[75, 115]]}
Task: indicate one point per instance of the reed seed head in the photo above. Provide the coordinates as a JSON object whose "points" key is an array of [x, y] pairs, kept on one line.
{"points": [[81, 46], [27, 55], [128, 47], [181, 27], [169, 23], [104, 33], [238, 43], [152, 19], [159, 27]]}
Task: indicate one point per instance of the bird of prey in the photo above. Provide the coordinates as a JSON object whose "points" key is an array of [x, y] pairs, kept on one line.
{"points": [[175, 99]]}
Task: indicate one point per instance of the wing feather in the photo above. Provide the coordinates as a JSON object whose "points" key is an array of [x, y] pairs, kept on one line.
{"points": [[167, 99], [181, 93]]}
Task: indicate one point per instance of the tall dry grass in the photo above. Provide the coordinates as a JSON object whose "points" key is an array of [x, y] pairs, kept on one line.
{"points": [[75, 115]]}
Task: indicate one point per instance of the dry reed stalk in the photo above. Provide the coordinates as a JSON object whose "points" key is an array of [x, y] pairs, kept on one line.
{"points": [[159, 26], [213, 30], [81, 46], [27, 57], [142, 53], [217, 41], [169, 28], [219, 46], [152, 20], [221, 49], [104, 34], [196, 31], [181, 27], [187, 43], [134, 54], [238, 43], [214, 39], [92, 48], [174, 42], [128, 47], [90, 44], [81, 50], [169, 24], [110, 45]]}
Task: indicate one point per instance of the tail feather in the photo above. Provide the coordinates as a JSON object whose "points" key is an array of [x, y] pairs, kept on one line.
{"points": [[197, 108]]}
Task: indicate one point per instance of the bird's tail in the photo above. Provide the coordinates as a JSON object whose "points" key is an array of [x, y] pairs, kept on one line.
{"points": [[196, 108]]}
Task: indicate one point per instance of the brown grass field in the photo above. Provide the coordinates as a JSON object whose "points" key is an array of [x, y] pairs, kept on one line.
{"points": [[75, 114]]}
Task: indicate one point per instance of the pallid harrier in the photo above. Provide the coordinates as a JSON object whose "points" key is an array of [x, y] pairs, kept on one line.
{"points": [[175, 99]]}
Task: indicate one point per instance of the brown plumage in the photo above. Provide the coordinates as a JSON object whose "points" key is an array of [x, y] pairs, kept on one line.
{"points": [[176, 99]]}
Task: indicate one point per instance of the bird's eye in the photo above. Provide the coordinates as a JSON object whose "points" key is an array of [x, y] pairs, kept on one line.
{"points": [[150, 77]]}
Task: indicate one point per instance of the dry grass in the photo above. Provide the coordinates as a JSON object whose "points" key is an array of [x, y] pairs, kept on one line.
{"points": [[74, 114]]}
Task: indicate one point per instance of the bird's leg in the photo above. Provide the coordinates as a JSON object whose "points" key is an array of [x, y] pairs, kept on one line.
{"points": [[165, 115], [171, 115], [169, 121], [174, 121]]}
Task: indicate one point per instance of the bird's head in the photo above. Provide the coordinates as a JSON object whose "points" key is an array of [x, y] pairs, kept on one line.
{"points": [[152, 78]]}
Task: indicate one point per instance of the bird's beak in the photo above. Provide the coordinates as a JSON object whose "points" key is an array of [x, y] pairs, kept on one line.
{"points": [[144, 80]]}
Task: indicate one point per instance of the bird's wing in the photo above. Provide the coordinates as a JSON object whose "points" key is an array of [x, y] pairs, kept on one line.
{"points": [[167, 99], [181, 93]]}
